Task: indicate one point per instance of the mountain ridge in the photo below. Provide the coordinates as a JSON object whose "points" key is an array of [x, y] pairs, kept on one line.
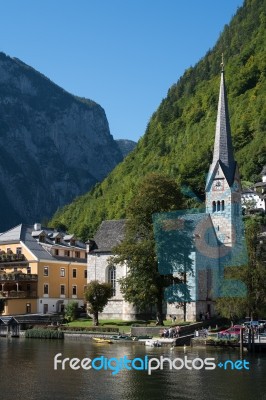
{"points": [[54, 145]]}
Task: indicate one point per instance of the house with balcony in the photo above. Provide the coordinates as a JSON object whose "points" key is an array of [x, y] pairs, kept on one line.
{"points": [[41, 270]]}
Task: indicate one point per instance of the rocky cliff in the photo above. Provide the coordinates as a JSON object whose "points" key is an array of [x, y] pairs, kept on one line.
{"points": [[53, 146], [126, 146]]}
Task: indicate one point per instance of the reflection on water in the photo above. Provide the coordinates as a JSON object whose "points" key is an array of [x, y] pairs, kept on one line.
{"points": [[27, 371]]}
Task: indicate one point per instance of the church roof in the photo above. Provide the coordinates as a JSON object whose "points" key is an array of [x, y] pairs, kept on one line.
{"points": [[223, 149], [109, 234]]}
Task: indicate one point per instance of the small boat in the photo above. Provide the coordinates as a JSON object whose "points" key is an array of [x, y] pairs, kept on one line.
{"points": [[153, 343], [102, 340], [121, 337]]}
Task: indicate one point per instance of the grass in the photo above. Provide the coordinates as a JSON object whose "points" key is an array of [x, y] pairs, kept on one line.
{"points": [[124, 326]]}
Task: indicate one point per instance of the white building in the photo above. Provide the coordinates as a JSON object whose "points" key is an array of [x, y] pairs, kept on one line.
{"points": [[109, 234]]}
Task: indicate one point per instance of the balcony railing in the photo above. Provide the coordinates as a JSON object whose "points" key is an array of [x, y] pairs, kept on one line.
{"points": [[11, 257], [18, 277], [13, 294]]}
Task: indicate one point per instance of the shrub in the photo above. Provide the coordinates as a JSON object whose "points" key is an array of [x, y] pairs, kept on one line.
{"points": [[38, 333]]}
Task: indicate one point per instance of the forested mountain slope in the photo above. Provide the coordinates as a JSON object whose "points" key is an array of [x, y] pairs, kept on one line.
{"points": [[179, 137]]}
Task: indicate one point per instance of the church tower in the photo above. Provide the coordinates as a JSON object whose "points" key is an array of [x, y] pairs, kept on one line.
{"points": [[223, 188]]}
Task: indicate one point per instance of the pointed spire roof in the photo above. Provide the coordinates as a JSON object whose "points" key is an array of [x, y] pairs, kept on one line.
{"points": [[223, 149]]}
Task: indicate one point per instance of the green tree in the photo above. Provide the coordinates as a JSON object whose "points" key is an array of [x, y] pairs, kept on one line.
{"points": [[97, 295], [253, 275], [71, 311], [143, 286]]}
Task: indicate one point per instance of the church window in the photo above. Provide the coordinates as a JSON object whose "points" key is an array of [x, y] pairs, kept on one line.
{"points": [[218, 206], [213, 206], [112, 278], [222, 205], [236, 208]]}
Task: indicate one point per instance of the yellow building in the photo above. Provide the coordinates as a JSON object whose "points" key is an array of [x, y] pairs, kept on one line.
{"points": [[41, 270]]}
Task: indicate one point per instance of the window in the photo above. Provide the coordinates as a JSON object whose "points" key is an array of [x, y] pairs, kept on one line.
{"points": [[28, 308], [222, 205], [45, 271], [218, 206], [214, 206], [236, 208], [28, 270], [74, 273], [56, 252], [42, 238], [57, 240], [67, 253], [62, 289], [112, 278], [74, 290], [18, 250], [62, 272], [85, 273], [77, 254], [45, 288]]}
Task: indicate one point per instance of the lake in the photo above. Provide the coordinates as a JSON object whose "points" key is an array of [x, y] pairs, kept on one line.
{"points": [[27, 372]]}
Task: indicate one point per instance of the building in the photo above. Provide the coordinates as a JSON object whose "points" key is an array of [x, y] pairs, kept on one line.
{"points": [[254, 198], [214, 235], [41, 270], [253, 201], [109, 234]]}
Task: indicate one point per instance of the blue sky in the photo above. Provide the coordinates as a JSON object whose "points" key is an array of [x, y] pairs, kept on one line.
{"points": [[123, 54]]}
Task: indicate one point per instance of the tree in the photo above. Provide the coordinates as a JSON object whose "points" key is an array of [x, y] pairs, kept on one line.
{"points": [[97, 295], [143, 286], [253, 275], [71, 311]]}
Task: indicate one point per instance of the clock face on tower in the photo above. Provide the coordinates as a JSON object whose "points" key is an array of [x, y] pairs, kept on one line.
{"points": [[218, 185]]}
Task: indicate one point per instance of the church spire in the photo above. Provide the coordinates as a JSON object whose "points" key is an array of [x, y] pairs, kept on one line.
{"points": [[223, 149]]}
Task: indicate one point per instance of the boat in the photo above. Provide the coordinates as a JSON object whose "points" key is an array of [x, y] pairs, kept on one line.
{"points": [[121, 337], [102, 340], [153, 343]]}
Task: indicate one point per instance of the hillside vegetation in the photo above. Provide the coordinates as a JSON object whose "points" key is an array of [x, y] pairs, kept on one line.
{"points": [[179, 137]]}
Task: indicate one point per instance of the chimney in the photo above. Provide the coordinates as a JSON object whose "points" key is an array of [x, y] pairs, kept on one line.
{"points": [[37, 226]]}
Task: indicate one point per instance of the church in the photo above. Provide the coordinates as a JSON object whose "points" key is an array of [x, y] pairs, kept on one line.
{"points": [[195, 245]]}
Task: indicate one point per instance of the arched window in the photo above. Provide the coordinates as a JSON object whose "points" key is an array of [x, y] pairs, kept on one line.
{"points": [[213, 206], [218, 206], [112, 278], [222, 205]]}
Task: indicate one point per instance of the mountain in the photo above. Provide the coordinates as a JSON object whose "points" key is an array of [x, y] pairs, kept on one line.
{"points": [[126, 146], [180, 135], [53, 146]]}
